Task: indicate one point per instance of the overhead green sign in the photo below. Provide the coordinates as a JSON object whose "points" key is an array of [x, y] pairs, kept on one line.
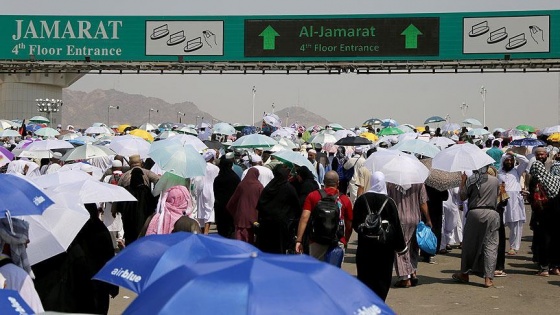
{"points": [[445, 36]]}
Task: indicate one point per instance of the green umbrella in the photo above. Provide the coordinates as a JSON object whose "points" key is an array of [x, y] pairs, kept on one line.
{"points": [[254, 141], [335, 126], [525, 128], [390, 131]]}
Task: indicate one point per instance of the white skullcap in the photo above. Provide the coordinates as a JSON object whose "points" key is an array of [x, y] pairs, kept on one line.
{"points": [[359, 150], [312, 151], [116, 163], [256, 158], [57, 155], [86, 168], [230, 156], [209, 155]]}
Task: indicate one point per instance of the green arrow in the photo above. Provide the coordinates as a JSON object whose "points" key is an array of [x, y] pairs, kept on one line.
{"points": [[269, 38], [411, 37]]}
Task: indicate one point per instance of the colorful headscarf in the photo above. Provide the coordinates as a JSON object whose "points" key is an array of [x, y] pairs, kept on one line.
{"points": [[173, 204]]}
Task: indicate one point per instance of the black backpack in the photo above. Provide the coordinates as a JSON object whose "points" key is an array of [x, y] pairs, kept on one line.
{"points": [[373, 226], [326, 227]]}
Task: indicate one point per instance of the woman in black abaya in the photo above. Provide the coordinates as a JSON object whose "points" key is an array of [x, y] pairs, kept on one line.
{"points": [[374, 260]]}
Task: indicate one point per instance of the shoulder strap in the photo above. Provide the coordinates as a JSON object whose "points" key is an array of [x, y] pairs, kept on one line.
{"points": [[380, 210], [5, 261], [323, 193]]}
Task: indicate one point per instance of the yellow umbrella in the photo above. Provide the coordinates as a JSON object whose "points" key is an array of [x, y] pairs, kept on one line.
{"points": [[122, 127], [555, 137], [421, 129], [142, 134], [369, 136]]}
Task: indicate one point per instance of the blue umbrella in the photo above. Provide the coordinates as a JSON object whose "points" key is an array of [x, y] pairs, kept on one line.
{"points": [[258, 283], [389, 123], [21, 197], [527, 142], [434, 119], [151, 257], [11, 302]]}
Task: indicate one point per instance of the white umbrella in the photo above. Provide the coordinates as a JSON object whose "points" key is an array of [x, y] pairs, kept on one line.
{"points": [[326, 136], [53, 231], [273, 120], [188, 130], [478, 132], [87, 151], [49, 144], [6, 124], [9, 133], [398, 167], [59, 178], [47, 132], [97, 172], [441, 142], [405, 128], [224, 129], [92, 191], [339, 134], [182, 140], [98, 130], [287, 143], [450, 127], [39, 154], [418, 147], [550, 130], [407, 136], [130, 145], [284, 132], [461, 157], [472, 121], [148, 127], [70, 136], [166, 135], [84, 139]]}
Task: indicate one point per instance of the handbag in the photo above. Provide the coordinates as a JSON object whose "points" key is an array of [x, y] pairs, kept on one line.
{"points": [[373, 226], [540, 199], [426, 239]]}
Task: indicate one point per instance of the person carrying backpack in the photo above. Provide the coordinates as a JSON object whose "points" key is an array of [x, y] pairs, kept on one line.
{"points": [[329, 214]]}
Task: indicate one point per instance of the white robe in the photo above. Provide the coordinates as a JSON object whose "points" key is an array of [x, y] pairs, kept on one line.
{"points": [[204, 187], [515, 208], [19, 280]]}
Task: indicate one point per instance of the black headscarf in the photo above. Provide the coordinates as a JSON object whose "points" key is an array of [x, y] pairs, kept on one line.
{"points": [[136, 178], [224, 186], [307, 185]]}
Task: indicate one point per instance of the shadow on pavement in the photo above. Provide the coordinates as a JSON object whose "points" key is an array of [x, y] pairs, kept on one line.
{"points": [[556, 283]]}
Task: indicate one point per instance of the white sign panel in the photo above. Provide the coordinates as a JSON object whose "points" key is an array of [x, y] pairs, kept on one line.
{"points": [[183, 38], [507, 35]]}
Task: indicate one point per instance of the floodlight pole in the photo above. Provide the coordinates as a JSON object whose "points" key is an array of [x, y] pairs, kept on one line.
{"points": [[483, 94], [109, 108], [254, 95]]}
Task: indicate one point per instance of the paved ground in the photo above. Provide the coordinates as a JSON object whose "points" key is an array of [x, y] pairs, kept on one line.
{"points": [[521, 292]]}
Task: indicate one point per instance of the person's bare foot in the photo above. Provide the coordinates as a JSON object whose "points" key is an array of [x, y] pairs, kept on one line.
{"points": [[488, 282]]}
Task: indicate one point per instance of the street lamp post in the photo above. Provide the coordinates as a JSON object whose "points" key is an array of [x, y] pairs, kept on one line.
{"points": [[464, 107], [483, 94], [179, 118], [287, 118], [273, 108], [108, 109], [254, 95], [48, 106], [196, 121], [150, 113]]}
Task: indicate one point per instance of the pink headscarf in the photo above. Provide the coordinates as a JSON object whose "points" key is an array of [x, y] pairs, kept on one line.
{"points": [[173, 204]]}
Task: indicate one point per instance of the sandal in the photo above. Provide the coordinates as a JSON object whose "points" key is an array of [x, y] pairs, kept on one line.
{"points": [[543, 273], [460, 278], [500, 273], [554, 271], [402, 284], [511, 252]]}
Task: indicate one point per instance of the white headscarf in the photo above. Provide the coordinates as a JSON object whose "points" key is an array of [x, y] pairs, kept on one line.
{"points": [[378, 184]]}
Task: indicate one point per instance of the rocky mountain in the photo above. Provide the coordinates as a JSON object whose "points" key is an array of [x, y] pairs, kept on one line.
{"points": [[83, 109], [300, 115]]}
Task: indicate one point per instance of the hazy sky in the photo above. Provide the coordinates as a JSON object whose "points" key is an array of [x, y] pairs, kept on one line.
{"points": [[348, 99]]}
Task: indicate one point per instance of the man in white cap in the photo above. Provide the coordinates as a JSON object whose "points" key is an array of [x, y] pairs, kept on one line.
{"points": [[55, 164], [265, 174], [204, 189], [354, 163]]}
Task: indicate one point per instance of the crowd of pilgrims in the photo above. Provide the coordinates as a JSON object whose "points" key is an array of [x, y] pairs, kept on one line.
{"points": [[250, 196]]}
